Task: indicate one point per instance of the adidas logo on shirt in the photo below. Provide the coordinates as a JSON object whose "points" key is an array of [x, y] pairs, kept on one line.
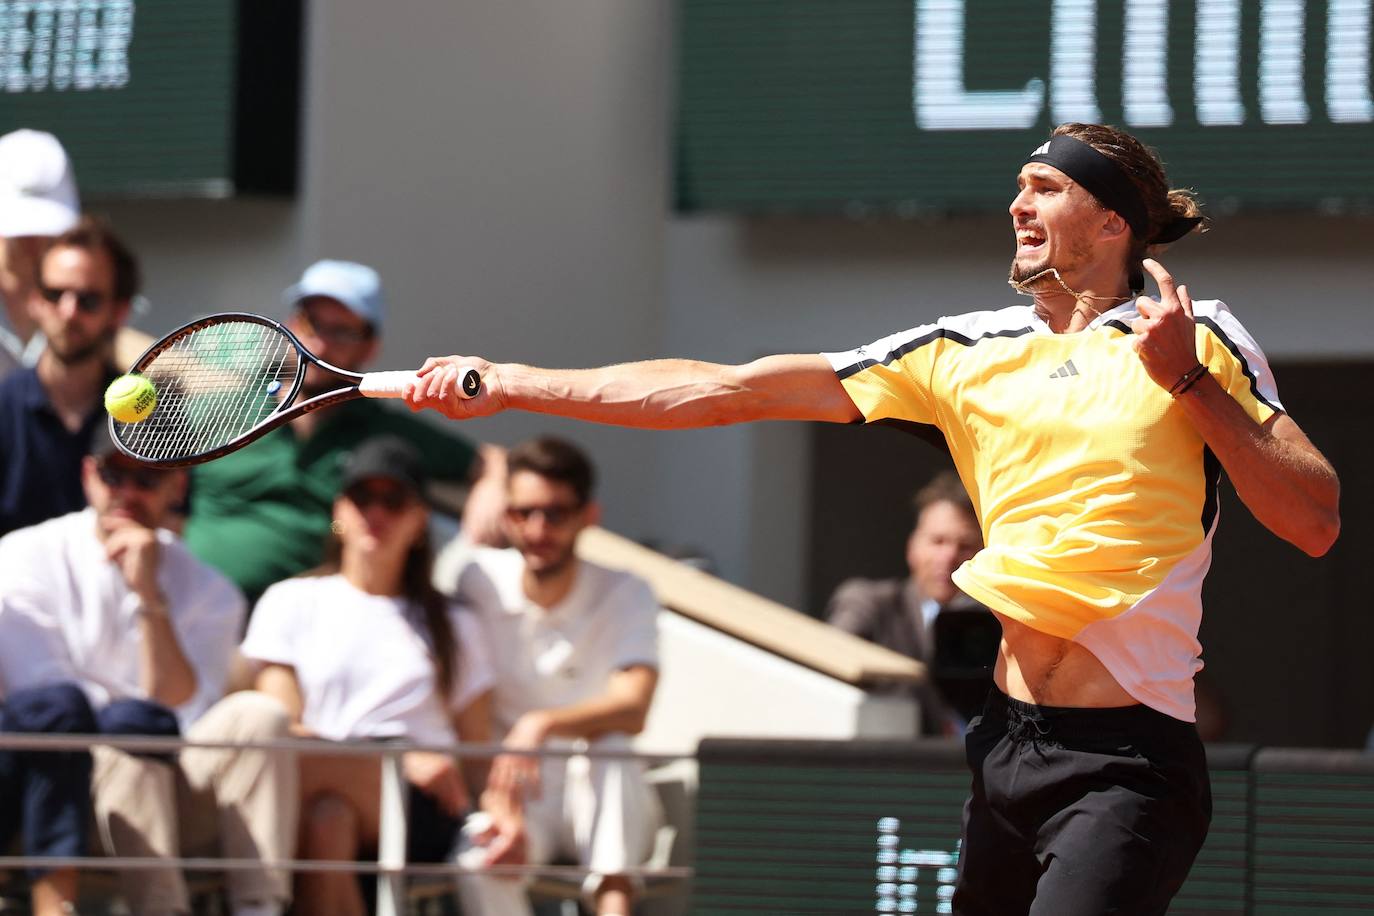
{"points": [[1065, 370]]}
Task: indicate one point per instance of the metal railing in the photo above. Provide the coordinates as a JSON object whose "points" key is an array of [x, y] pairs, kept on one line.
{"points": [[390, 867]]}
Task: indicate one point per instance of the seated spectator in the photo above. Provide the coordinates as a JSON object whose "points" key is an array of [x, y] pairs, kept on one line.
{"points": [[38, 202], [48, 413], [365, 648], [575, 651], [925, 616], [261, 514], [109, 625]]}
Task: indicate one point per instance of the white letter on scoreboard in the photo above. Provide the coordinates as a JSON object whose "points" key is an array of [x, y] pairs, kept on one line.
{"points": [[40, 59], [116, 33], [939, 98], [1347, 62], [1073, 61], [1145, 64], [64, 50], [1281, 95], [1216, 65]]}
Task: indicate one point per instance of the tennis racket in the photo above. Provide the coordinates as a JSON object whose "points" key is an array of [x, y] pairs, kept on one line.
{"points": [[226, 380]]}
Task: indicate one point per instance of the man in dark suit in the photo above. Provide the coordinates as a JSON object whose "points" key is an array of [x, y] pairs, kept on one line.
{"points": [[924, 615]]}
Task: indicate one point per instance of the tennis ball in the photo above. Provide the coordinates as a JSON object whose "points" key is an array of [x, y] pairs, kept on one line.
{"points": [[130, 398]]}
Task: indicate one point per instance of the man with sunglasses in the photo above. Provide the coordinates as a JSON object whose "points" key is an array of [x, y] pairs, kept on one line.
{"points": [[108, 624], [575, 652], [86, 280], [38, 202], [261, 514]]}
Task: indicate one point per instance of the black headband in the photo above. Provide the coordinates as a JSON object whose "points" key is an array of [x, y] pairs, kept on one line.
{"points": [[1100, 176], [1103, 179]]}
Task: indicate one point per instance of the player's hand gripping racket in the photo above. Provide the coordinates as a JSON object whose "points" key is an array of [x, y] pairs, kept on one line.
{"points": [[228, 379]]}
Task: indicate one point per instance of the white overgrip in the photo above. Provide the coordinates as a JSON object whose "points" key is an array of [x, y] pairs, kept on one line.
{"points": [[385, 384], [391, 384]]}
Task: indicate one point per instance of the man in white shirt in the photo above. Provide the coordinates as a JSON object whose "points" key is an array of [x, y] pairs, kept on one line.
{"points": [[108, 602], [575, 651]]}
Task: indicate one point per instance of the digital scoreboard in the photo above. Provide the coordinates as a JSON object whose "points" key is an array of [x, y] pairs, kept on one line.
{"points": [[158, 97], [914, 106], [854, 827]]}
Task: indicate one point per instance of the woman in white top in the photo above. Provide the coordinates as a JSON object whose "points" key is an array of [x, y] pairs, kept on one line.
{"points": [[365, 648]]}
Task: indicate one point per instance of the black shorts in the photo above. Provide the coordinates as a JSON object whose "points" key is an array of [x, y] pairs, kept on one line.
{"points": [[1079, 812]]}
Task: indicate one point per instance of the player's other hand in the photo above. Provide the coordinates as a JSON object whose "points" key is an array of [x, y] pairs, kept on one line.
{"points": [[439, 388], [1165, 333]]}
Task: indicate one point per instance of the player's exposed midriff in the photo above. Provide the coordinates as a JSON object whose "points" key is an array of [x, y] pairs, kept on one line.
{"points": [[1038, 668]]}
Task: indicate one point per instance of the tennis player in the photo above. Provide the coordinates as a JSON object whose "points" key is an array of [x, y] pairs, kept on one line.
{"points": [[1090, 428]]}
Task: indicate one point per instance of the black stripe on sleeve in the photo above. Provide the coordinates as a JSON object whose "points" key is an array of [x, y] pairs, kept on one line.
{"points": [[1244, 366], [917, 342]]}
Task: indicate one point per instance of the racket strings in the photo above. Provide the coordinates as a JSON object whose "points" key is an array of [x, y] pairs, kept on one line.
{"points": [[214, 385]]}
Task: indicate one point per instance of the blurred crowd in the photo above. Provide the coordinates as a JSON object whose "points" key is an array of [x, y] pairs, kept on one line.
{"points": [[293, 589], [290, 590]]}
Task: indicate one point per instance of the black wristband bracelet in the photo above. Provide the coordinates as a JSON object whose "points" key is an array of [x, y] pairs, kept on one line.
{"points": [[1187, 380]]}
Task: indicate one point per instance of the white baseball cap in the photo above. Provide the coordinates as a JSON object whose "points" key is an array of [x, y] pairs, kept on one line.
{"points": [[37, 188]]}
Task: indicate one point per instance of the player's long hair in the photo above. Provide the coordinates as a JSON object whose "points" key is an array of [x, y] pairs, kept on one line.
{"points": [[1143, 166], [418, 589]]}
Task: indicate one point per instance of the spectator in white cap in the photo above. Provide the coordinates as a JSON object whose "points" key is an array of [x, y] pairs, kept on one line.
{"points": [[38, 202], [261, 514]]}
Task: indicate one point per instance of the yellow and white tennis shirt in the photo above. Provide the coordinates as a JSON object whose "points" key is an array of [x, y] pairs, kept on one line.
{"points": [[1097, 497]]}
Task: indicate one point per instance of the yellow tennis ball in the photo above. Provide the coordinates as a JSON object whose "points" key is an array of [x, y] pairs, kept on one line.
{"points": [[130, 398]]}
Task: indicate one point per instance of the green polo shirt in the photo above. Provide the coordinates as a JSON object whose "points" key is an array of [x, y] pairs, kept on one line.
{"points": [[260, 515]]}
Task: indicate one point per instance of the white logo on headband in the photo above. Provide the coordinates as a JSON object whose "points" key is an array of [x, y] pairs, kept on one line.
{"points": [[1042, 148]]}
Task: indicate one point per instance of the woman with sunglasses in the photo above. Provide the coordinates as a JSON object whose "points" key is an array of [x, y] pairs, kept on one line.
{"points": [[365, 648]]}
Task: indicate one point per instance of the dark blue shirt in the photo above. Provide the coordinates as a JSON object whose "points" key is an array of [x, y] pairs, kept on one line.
{"points": [[40, 460]]}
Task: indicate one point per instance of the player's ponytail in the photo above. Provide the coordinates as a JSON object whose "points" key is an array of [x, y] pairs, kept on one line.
{"points": [[1183, 205]]}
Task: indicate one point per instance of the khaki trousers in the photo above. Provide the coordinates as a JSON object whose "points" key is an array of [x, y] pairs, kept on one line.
{"points": [[240, 804]]}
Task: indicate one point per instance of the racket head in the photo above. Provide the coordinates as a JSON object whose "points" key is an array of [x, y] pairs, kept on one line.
{"points": [[221, 382]]}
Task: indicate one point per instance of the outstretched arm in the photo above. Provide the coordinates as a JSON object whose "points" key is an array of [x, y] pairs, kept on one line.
{"points": [[1285, 482], [657, 394]]}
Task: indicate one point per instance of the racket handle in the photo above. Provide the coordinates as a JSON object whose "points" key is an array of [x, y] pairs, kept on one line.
{"points": [[390, 384]]}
